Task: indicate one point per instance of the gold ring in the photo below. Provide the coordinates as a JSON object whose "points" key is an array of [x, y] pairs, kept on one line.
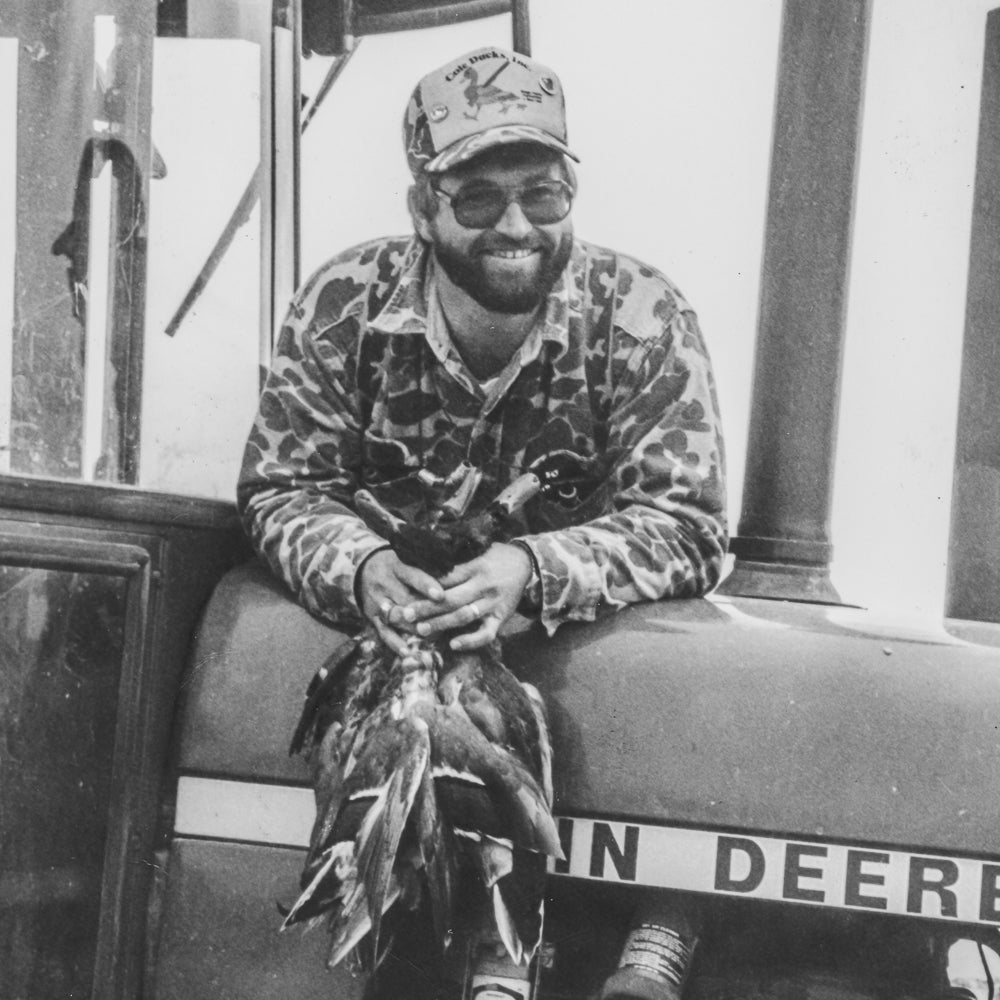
{"points": [[476, 613], [385, 610]]}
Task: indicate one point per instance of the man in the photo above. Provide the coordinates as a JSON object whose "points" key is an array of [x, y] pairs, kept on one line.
{"points": [[490, 339]]}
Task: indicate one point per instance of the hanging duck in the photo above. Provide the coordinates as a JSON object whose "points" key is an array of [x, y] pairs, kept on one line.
{"points": [[431, 769]]}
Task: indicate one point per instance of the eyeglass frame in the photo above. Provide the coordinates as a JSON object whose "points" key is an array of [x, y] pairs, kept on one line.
{"points": [[512, 191]]}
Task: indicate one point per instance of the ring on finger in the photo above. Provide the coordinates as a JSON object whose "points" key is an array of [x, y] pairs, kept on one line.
{"points": [[476, 613], [385, 610]]}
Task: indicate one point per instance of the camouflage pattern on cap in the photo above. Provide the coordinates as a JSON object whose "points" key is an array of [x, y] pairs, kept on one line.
{"points": [[482, 99]]}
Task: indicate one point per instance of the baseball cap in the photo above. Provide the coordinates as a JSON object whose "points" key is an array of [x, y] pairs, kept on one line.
{"points": [[482, 99]]}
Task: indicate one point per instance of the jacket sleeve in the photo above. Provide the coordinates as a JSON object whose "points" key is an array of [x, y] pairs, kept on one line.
{"points": [[665, 532], [301, 459]]}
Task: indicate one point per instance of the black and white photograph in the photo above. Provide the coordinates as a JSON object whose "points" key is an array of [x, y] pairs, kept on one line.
{"points": [[500, 500]]}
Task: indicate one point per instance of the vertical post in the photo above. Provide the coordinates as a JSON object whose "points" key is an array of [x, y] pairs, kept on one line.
{"points": [[131, 146], [9, 49], [521, 19], [974, 548], [783, 547], [280, 166], [56, 106], [99, 447], [295, 126]]}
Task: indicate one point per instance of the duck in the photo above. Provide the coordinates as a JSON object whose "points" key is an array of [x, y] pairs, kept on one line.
{"points": [[432, 769], [477, 95]]}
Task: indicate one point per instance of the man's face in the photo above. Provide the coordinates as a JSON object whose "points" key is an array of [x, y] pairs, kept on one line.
{"points": [[510, 266]]}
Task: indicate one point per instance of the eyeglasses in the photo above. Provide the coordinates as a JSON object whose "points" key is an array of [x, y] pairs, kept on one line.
{"points": [[482, 206]]}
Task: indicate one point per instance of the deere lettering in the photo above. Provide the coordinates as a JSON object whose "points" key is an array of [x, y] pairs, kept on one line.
{"points": [[989, 896], [604, 847], [865, 870], [822, 874]]}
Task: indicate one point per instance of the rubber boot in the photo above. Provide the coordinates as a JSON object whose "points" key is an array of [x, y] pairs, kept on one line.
{"points": [[656, 958]]}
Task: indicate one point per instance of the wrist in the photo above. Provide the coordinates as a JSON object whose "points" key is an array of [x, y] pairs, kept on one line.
{"points": [[359, 596], [531, 597]]}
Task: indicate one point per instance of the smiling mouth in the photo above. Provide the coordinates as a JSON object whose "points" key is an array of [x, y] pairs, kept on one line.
{"points": [[511, 254]]}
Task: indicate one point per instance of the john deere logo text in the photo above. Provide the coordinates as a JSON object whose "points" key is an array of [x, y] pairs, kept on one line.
{"points": [[844, 876]]}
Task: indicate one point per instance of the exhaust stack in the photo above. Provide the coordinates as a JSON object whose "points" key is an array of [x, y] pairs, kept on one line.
{"points": [[783, 547]]}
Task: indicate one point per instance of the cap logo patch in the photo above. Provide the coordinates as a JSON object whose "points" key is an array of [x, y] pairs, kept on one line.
{"points": [[478, 95], [548, 85], [438, 113]]}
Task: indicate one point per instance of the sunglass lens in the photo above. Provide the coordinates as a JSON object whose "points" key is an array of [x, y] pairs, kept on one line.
{"points": [[545, 203], [481, 208]]}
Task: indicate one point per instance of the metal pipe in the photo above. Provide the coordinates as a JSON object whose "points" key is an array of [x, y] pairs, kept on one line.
{"points": [[973, 566], [783, 545], [521, 19]]}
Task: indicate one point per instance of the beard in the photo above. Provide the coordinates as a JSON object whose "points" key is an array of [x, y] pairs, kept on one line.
{"points": [[510, 293]]}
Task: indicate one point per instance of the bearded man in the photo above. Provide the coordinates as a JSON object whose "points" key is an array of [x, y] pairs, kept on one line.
{"points": [[489, 339]]}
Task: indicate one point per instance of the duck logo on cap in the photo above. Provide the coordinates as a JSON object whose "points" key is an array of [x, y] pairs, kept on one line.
{"points": [[479, 94]]}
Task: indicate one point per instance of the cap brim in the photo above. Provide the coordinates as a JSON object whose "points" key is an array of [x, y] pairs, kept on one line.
{"points": [[465, 149]]}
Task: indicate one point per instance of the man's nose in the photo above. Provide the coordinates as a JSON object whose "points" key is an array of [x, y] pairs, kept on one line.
{"points": [[514, 223]]}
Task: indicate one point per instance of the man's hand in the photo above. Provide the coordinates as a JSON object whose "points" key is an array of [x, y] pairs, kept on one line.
{"points": [[388, 589], [485, 590]]}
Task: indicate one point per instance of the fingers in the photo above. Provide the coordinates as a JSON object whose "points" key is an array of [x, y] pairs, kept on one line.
{"points": [[389, 608], [396, 641], [401, 614], [491, 584], [450, 600], [398, 617], [482, 636], [387, 629], [393, 622], [457, 617], [420, 582], [388, 588], [464, 584]]}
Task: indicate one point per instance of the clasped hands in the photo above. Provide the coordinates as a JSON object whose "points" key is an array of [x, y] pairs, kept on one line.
{"points": [[401, 601]]}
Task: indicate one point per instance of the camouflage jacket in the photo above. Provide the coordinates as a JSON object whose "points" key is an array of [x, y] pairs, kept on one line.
{"points": [[362, 394]]}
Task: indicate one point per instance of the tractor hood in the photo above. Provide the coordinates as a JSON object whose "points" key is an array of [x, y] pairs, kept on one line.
{"points": [[733, 714]]}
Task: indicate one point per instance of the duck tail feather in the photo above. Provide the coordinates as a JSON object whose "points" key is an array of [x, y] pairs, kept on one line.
{"points": [[437, 851], [523, 893], [539, 832], [332, 878], [506, 927], [380, 833], [353, 923]]}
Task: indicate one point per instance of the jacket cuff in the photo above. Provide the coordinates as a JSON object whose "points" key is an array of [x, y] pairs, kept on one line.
{"points": [[379, 546], [532, 599]]}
